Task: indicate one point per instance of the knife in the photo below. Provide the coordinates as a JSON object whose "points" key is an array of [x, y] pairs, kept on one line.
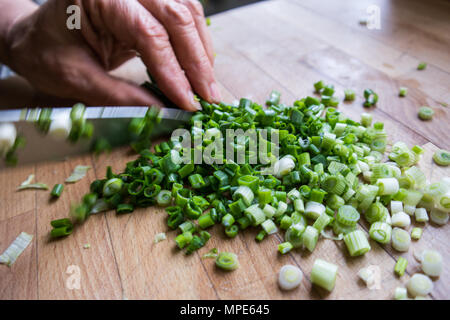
{"points": [[110, 123]]}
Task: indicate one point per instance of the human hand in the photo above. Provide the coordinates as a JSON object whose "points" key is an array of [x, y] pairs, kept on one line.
{"points": [[169, 35]]}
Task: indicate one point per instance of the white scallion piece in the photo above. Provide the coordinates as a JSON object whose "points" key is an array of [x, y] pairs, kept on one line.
{"points": [[419, 285], [400, 293], [290, 277], [78, 173], [367, 175], [284, 166], [27, 184], [99, 206], [160, 237], [363, 166], [8, 135], [60, 127], [421, 215], [15, 249], [439, 217], [400, 219], [367, 275], [432, 263], [269, 226], [396, 206], [269, 211], [387, 186], [282, 207], [409, 210], [400, 239], [314, 209]]}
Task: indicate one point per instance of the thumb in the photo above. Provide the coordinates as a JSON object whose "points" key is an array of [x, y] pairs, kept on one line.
{"points": [[100, 88]]}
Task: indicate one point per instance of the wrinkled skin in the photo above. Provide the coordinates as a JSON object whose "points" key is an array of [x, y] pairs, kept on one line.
{"points": [[170, 36]]}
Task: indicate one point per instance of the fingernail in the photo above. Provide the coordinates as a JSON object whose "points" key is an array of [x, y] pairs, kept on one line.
{"points": [[195, 104], [215, 92]]}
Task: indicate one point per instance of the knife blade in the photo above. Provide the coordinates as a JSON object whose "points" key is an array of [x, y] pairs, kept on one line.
{"points": [[110, 123]]}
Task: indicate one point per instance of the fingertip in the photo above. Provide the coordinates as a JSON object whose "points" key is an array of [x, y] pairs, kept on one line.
{"points": [[215, 92]]}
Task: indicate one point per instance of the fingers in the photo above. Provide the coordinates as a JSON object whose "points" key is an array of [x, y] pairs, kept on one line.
{"points": [[196, 9], [132, 24], [100, 88], [188, 46]]}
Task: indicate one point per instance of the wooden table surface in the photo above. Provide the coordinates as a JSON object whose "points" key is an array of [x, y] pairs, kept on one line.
{"points": [[283, 45]]}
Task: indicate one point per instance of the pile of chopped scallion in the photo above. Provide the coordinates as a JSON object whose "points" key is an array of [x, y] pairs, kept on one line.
{"points": [[329, 173]]}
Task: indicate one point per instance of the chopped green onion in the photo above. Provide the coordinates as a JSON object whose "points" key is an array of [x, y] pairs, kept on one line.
{"points": [[400, 266], [244, 193], [160, 237], [269, 211], [28, 185], [294, 235], [125, 208], [400, 293], [260, 236], [196, 181], [8, 136], [396, 206], [347, 215], [387, 186], [205, 221], [426, 113], [403, 91], [380, 232], [299, 206], [400, 239], [366, 119], [314, 209], [349, 95], [439, 217], [371, 98], [232, 231], [227, 261], [164, 198], [324, 274], [356, 242], [442, 157], [112, 186], [15, 249], [57, 190], [432, 264], [421, 215], [419, 285], [322, 221], [421, 66], [400, 219], [416, 233], [227, 220], [213, 253], [285, 247], [269, 226], [78, 173], [289, 277], [309, 238], [183, 239]]}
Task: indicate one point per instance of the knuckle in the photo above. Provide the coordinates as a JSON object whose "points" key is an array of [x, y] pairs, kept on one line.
{"points": [[179, 14], [196, 7], [156, 34]]}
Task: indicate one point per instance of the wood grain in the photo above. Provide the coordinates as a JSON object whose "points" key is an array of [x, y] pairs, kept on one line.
{"points": [[282, 45]]}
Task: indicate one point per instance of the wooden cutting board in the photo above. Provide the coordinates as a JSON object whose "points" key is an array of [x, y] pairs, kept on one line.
{"points": [[282, 45]]}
